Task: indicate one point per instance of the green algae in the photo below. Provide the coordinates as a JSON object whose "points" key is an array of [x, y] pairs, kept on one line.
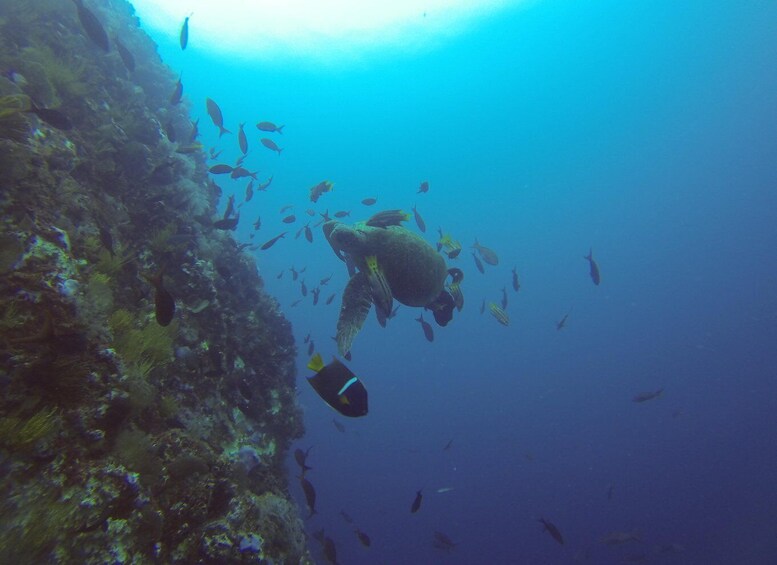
{"points": [[150, 343], [54, 77], [19, 433], [41, 523], [13, 123]]}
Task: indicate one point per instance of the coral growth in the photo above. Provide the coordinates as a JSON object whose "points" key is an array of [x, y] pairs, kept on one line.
{"points": [[122, 440]]}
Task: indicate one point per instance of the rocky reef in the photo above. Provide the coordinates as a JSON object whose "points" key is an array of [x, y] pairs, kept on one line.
{"points": [[123, 440]]}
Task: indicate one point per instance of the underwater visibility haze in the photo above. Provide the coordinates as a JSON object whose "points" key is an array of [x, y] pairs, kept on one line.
{"points": [[522, 252]]}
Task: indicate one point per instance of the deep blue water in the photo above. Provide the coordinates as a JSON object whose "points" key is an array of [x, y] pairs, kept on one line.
{"points": [[645, 130]]}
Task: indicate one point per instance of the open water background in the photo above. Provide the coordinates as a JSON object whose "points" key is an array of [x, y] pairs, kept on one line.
{"points": [[645, 130]]}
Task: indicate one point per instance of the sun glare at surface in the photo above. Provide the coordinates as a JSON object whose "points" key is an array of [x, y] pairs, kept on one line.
{"points": [[318, 30]]}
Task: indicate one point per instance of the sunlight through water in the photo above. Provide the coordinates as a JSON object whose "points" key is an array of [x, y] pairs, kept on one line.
{"points": [[322, 31]]}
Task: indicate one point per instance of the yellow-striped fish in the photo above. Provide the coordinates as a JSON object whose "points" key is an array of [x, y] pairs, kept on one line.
{"points": [[500, 315]]}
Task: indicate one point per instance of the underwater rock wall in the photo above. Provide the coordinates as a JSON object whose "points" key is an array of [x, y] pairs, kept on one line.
{"points": [[123, 440]]}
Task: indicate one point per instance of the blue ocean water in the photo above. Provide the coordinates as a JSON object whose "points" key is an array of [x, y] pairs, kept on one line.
{"points": [[642, 130]]}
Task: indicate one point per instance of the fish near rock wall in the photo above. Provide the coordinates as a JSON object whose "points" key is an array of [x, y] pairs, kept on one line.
{"points": [[123, 439]]}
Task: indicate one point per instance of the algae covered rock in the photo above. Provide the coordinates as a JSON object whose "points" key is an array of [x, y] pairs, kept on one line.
{"points": [[116, 434]]}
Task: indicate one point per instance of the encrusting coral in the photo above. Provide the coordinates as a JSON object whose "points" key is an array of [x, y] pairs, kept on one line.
{"points": [[121, 439]]}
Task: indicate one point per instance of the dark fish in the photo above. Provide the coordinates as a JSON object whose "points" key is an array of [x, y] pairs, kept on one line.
{"points": [[504, 298], [230, 206], [316, 292], [311, 347], [215, 154], [342, 213], [293, 304], [428, 331], [483, 306], [126, 57], [215, 114], [264, 185], [489, 256], [363, 538], [290, 219], [92, 26], [220, 169], [294, 273], [304, 288], [279, 275], [164, 303], [424, 187], [330, 551], [270, 243], [227, 223], [325, 216], [269, 126], [299, 232], [310, 495], [54, 118], [325, 280], [308, 233], [552, 530], [562, 322], [500, 315], [516, 281], [645, 396], [448, 445], [183, 38], [346, 517], [270, 144], [443, 541], [250, 191], [319, 189], [300, 457], [242, 140], [310, 212], [478, 264], [239, 160], [609, 492], [307, 338], [419, 220], [416, 502], [175, 97], [388, 218], [242, 172], [330, 299], [595, 276], [393, 312], [369, 201], [338, 387], [338, 426]]}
